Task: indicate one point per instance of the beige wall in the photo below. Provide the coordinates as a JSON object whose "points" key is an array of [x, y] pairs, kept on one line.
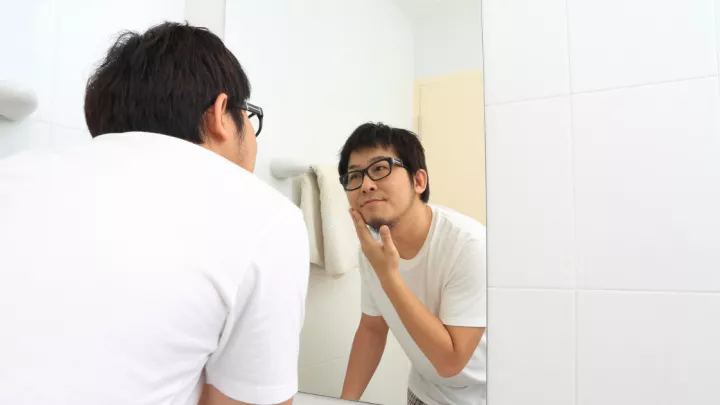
{"points": [[450, 122]]}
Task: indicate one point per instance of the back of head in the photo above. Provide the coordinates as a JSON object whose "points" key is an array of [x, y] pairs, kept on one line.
{"points": [[162, 81], [404, 143]]}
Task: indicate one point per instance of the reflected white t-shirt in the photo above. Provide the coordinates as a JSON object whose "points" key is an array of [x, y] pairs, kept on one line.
{"points": [[133, 262], [448, 277]]}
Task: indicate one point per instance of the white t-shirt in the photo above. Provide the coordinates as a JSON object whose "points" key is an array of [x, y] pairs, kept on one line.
{"points": [[448, 277], [131, 263]]}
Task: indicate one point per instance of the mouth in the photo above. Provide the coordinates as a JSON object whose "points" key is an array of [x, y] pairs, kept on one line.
{"points": [[370, 202]]}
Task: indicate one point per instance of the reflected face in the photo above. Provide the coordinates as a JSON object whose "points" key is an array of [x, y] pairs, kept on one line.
{"points": [[381, 202]]}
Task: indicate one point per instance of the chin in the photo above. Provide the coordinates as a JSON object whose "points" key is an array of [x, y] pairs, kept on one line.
{"points": [[377, 222]]}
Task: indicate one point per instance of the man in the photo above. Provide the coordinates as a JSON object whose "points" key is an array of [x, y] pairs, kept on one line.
{"points": [[137, 266], [423, 276]]}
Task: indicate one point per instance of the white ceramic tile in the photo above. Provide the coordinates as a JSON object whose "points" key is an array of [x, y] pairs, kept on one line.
{"points": [[323, 379], [86, 29], [23, 136], [529, 182], [331, 319], [617, 43], [648, 348], [310, 399], [525, 48], [27, 41], [531, 344], [390, 381], [332, 316], [66, 137], [318, 275], [388, 385], [647, 189]]}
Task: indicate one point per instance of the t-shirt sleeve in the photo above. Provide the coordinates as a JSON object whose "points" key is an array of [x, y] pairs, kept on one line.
{"points": [[257, 358], [464, 298], [367, 302]]}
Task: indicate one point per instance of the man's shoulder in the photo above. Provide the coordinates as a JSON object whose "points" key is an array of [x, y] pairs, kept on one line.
{"points": [[269, 200], [455, 226]]}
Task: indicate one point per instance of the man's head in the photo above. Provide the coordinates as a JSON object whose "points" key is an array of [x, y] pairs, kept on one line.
{"points": [[177, 80], [384, 173]]}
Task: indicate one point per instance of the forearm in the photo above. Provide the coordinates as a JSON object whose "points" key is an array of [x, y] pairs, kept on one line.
{"points": [[426, 329], [367, 350]]}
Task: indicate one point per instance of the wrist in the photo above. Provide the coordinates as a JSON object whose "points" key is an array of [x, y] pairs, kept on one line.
{"points": [[390, 278]]}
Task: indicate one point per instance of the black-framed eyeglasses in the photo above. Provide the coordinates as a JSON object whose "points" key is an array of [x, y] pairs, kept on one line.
{"points": [[377, 170], [255, 115]]}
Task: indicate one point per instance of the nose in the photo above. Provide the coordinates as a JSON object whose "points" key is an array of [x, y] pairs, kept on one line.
{"points": [[368, 184]]}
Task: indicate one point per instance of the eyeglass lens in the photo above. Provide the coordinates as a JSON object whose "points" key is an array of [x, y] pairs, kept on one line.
{"points": [[376, 171]]}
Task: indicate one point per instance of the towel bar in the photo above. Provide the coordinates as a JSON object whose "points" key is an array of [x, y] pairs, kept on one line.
{"points": [[288, 168], [16, 101]]}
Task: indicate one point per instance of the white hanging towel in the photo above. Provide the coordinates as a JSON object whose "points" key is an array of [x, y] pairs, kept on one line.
{"points": [[333, 241], [310, 207]]}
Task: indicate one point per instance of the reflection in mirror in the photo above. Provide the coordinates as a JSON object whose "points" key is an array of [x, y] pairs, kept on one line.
{"points": [[377, 105]]}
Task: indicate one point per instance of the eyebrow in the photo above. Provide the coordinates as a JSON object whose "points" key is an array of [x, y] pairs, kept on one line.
{"points": [[373, 160]]}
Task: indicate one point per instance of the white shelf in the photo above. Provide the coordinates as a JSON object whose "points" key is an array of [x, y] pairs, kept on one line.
{"points": [[16, 101]]}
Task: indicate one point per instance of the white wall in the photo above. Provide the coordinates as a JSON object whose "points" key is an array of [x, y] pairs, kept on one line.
{"points": [[207, 13], [52, 46], [603, 188], [319, 68], [448, 35]]}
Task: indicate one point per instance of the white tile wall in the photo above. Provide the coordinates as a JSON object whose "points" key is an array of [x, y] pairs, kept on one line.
{"points": [[639, 137], [84, 37], [53, 46], [618, 43], [532, 347], [647, 187], [529, 193], [648, 348], [332, 316], [526, 49], [28, 44], [24, 135]]}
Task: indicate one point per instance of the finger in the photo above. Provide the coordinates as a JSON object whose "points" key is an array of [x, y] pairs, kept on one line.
{"points": [[387, 240], [361, 229]]}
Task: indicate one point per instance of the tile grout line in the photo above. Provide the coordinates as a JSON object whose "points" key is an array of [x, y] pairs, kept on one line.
{"points": [[633, 86], [604, 290]]}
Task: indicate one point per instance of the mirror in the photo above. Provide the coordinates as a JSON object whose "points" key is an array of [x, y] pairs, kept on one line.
{"points": [[320, 69]]}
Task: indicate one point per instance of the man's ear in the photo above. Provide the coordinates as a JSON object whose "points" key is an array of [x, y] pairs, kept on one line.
{"points": [[215, 128], [420, 181]]}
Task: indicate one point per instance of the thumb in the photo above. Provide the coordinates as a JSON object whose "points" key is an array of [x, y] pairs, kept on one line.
{"points": [[387, 239]]}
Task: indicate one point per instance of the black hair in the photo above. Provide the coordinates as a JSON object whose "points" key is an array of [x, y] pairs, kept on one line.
{"points": [[162, 81], [405, 143]]}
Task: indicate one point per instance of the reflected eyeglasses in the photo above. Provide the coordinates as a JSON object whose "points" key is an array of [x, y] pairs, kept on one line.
{"points": [[377, 170]]}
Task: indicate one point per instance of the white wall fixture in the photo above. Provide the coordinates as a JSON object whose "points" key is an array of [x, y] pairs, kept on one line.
{"points": [[16, 101], [285, 168]]}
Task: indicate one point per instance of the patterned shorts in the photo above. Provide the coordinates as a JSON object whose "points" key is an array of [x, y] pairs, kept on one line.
{"points": [[413, 400]]}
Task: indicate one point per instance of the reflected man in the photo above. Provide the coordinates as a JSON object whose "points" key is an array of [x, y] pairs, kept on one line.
{"points": [[422, 269]]}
